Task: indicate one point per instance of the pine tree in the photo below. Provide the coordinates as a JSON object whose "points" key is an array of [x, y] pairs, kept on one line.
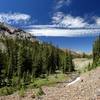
{"points": [[24, 60], [68, 63], [96, 52], [1, 68]]}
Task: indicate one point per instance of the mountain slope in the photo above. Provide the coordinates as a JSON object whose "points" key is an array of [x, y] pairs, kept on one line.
{"points": [[9, 31]]}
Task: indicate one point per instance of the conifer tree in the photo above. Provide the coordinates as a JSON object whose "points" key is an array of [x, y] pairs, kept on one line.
{"points": [[96, 52]]}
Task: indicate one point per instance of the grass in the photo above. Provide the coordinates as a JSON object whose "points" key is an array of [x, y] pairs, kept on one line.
{"points": [[21, 92], [36, 85], [86, 69], [48, 81], [39, 92], [82, 70]]}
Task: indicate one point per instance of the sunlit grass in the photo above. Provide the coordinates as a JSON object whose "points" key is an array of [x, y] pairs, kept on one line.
{"points": [[50, 80]]}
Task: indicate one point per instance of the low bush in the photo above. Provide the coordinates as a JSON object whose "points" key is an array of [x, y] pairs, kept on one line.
{"points": [[6, 91]]}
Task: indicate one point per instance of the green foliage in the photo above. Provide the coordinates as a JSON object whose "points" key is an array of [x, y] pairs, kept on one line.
{"points": [[96, 52], [39, 92], [6, 91], [89, 67], [49, 80], [68, 65], [21, 92], [23, 60], [22, 89], [85, 69]]}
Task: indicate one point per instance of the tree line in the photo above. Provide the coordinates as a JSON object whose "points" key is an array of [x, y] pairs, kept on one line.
{"points": [[21, 60]]}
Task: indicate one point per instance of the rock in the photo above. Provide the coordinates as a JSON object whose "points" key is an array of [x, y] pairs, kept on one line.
{"points": [[81, 80], [33, 96]]}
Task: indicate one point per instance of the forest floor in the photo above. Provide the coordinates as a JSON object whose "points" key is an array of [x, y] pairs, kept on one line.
{"points": [[85, 87]]}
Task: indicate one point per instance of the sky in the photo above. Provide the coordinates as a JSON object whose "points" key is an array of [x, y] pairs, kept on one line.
{"points": [[78, 44], [55, 18]]}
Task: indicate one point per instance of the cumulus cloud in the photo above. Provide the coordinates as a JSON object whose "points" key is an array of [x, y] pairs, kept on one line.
{"points": [[61, 3], [14, 17], [66, 25], [68, 20]]}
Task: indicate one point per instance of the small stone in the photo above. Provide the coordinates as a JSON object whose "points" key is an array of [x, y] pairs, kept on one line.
{"points": [[33, 96], [81, 80]]}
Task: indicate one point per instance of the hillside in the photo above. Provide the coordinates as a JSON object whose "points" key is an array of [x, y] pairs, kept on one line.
{"points": [[23, 61], [86, 87], [81, 63], [12, 32], [28, 67], [77, 54]]}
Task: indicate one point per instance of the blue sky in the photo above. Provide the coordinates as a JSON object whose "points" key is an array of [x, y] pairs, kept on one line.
{"points": [[58, 18], [78, 44]]}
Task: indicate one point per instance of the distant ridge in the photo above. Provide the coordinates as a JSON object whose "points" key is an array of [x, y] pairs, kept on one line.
{"points": [[10, 31]]}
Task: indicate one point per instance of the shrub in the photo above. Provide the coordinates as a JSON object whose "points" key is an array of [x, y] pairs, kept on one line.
{"points": [[21, 92], [6, 91], [40, 92]]}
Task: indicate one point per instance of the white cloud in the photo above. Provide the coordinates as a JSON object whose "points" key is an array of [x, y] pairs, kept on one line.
{"points": [[97, 19], [57, 18], [68, 20], [62, 25], [66, 25], [49, 30], [41, 26], [61, 3], [14, 17]]}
